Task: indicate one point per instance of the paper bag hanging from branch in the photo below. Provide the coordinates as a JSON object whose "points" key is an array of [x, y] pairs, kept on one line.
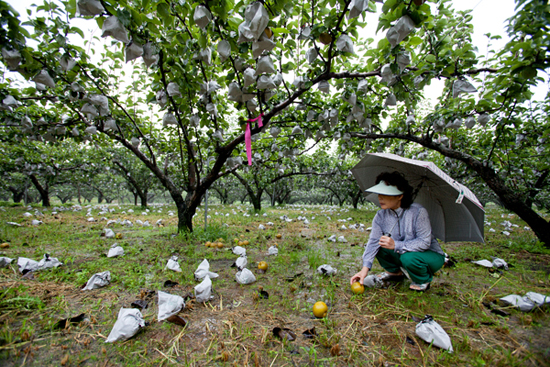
{"points": [[12, 58], [265, 82], [173, 89], [265, 65], [400, 30], [403, 60], [114, 28], [362, 86], [255, 22], [66, 62], [324, 86], [169, 119], [249, 77], [310, 116], [150, 54], [89, 7], [110, 124], [391, 100], [305, 33], [202, 16], [90, 110], [252, 106], [357, 7], [299, 82], [470, 122], [224, 50], [133, 51], [265, 43], [43, 77], [344, 44], [387, 75], [483, 119], [234, 93], [205, 55], [462, 86], [311, 55], [162, 98], [92, 130]]}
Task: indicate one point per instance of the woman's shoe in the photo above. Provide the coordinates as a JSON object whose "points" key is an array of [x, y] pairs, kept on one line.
{"points": [[385, 276], [419, 287]]}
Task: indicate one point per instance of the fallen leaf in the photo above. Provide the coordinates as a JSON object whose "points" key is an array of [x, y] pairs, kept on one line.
{"points": [[65, 360]]}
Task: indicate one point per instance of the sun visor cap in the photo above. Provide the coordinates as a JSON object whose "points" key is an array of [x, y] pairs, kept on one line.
{"points": [[382, 188]]}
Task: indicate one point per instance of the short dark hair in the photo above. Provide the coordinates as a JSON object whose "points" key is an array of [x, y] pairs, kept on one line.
{"points": [[398, 180]]}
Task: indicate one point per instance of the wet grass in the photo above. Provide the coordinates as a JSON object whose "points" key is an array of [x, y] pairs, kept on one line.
{"points": [[376, 328]]}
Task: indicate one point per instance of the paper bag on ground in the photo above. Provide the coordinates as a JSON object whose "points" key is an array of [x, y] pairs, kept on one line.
{"points": [[203, 290], [326, 270], [5, 261], [173, 264], [98, 280], [169, 304], [245, 276], [431, 331], [127, 325], [204, 270], [115, 251]]}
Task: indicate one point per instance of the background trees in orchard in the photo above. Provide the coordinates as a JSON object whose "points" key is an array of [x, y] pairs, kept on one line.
{"points": [[196, 72]]}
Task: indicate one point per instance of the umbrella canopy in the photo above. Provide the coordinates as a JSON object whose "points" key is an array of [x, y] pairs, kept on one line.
{"points": [[455, 212]]}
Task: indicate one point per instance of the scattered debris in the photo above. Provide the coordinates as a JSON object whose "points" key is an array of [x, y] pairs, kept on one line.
{"points": [[284, 333], [62, 324]]}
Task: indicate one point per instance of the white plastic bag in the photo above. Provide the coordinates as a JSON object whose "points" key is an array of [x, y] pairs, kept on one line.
{"points": [[115, 251], [169, 305], [173, 264], [245, 276], [430, 331], [203, 290], [98, 280], [128, 323], [326, 270], [204, 271]]}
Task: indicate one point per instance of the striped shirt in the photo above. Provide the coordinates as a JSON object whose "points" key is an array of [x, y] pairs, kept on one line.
{"points": [[410, 229]]}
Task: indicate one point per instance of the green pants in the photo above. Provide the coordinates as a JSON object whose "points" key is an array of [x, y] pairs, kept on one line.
{"points": [[421, 266]]}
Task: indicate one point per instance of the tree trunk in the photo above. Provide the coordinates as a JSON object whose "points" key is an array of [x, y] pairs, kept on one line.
{"points": [[99, 196], [135, 198], [43, 190], [143, 198], [17, 195]]}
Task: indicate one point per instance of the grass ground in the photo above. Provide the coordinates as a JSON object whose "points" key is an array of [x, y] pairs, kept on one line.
{"points": [[376, 328]]}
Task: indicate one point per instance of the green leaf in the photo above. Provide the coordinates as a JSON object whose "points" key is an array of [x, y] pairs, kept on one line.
{"points": [[430, 59], [415, 41]]}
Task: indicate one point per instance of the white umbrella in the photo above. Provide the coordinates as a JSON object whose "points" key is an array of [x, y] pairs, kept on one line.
{"points": [[455, 212]]}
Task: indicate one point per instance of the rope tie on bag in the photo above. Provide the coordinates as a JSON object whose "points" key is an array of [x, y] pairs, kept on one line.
{"points": [[248, 136]]}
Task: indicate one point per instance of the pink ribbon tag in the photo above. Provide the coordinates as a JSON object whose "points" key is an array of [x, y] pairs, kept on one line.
{"points": [[248, 135]]}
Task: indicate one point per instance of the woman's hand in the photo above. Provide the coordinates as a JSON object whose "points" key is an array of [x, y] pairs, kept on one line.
{"points": [[359, 276], [387, 243]]}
